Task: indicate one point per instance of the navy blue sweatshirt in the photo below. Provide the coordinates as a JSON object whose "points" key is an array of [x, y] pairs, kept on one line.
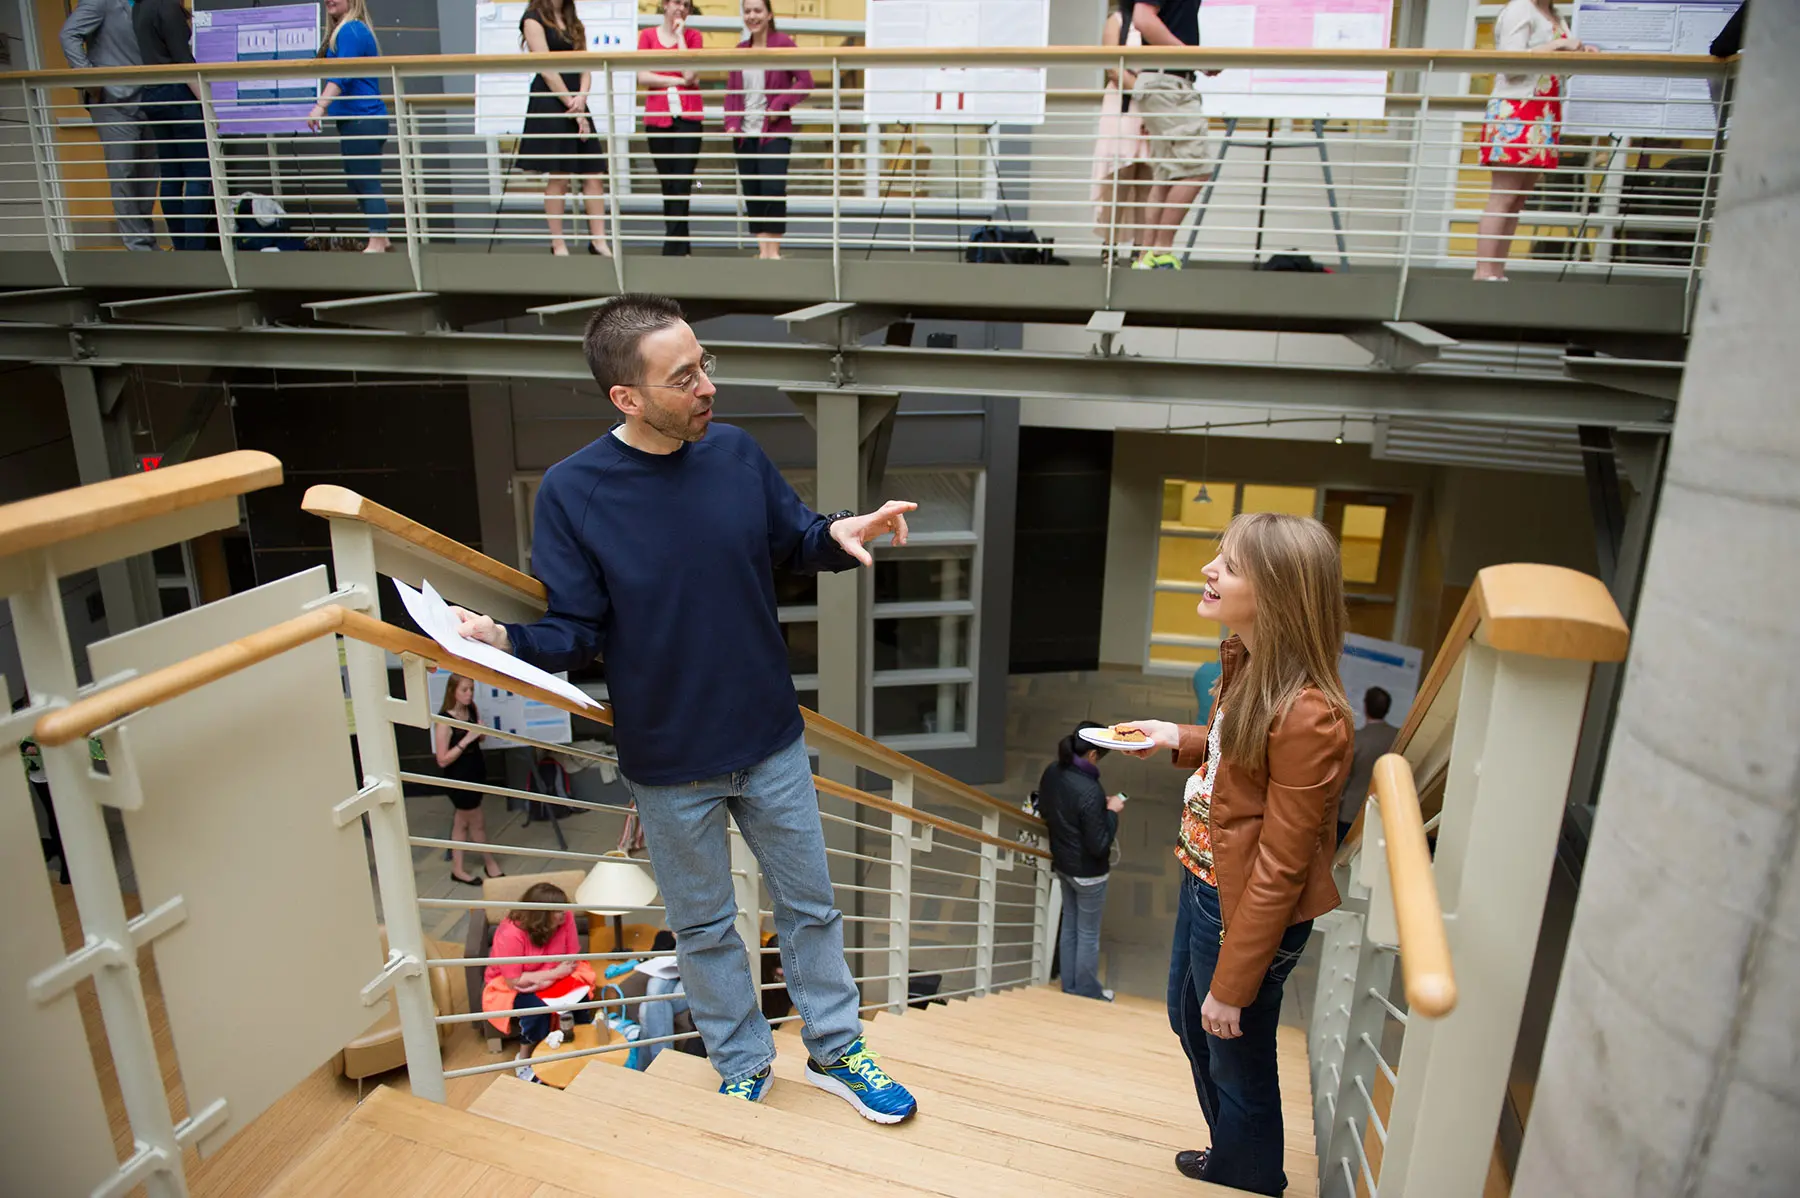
{"points": [[663, 565]]}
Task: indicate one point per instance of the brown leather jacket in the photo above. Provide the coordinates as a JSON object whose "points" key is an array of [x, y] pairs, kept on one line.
{"points": [[1273, 830]]}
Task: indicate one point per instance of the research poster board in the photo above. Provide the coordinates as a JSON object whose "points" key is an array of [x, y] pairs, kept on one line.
{"points": [[1367, 662], [507, 712], [1645, 106], [500, 100], [276, 33], [1279, 92], [957, 95]]}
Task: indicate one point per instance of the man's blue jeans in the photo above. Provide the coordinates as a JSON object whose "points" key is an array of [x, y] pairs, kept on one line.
{"points": [[174, 122], [1078, 944], [777, 810], [1236, 1080]]}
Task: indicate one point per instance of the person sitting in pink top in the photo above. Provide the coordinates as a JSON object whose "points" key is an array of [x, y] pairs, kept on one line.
{"points": [[526, 993], [672, 111]]}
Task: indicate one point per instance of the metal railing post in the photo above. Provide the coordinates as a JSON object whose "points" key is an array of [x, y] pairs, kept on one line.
{"points": [[411, 194], [1045, 921], [353, 565], [837, 175], [43, 161], [986, 906], [49, 667], [1414, 172], [900, 882], [215, 166], [618, 153]]}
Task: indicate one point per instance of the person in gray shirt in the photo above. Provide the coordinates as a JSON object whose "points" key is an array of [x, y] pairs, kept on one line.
{"points": [[1374, 738], [99, 33]]}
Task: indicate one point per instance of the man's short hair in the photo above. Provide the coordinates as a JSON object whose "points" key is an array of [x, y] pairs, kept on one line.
{"points": [[616, 332], [1376, 703]]}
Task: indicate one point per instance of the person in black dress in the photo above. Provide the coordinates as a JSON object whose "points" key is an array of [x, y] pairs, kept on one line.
{"points": [[561, 140], [458, 752]]}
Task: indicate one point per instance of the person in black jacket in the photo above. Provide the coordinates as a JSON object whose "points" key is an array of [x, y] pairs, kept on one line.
{"points": [[1083, 820]]}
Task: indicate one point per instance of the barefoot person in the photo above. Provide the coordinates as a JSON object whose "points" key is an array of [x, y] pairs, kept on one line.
{"points": [[657, 544], [1256, 834]]}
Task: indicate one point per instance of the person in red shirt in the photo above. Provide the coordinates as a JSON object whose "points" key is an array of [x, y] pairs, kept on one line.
{"points": [[672, 112], [519, 991]]}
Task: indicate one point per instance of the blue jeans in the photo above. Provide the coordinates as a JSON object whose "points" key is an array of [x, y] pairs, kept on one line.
{"points": [[658, 1018], [1079, 941], [174, 122], [777, 810], [533, 1028], [361, 140], [1236, 1080]]}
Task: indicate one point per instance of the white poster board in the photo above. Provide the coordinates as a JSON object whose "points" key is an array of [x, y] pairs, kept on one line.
{"points": [[1367, 662], [500, 100], [960, 95], [1645, 106], [507, 712], [1290, 92]]}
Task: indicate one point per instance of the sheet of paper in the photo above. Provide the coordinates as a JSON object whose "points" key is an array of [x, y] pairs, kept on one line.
{"points": [[1013, 22], [660, 967], [1227, 24], [1695, 28], [897, 23], [433, 616], [1615, 28]]}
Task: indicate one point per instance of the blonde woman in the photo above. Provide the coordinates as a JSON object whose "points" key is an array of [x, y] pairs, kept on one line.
{"points": [[1257, 828], [1122, 174], [361, 116], [560, 140], [458, 754], [1523, 124]]}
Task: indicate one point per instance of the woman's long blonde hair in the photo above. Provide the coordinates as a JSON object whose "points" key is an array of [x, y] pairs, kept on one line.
{"points": [[356, 10], [1296, 568]]}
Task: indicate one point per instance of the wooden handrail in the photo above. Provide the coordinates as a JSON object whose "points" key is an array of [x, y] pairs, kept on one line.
{"points": [[86, 716], [333, 502], [1424, 946], [82, 511], [1541, 611], [857, 58]]}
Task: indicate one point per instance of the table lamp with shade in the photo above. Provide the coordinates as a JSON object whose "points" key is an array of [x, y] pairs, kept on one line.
{"points": [[615, 885]]}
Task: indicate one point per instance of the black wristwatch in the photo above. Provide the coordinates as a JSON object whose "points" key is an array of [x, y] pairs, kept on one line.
{"points": [[836, 516]]}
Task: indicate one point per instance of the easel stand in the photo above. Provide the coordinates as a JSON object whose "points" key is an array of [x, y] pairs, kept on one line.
{"points": [[1269, 146]]}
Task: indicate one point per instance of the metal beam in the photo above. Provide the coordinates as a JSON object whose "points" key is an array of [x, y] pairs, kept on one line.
{"points": [[1333, 390], [1640, 376], [54, 305], [228, 308], [402, 312], [839, 323], [1402, 344]]}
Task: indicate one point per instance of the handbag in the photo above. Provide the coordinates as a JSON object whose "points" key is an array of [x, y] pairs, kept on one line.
{"points": [[621, 1023]]}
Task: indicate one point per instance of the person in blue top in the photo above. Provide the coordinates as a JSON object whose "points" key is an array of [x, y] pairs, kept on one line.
{"points": [[362, 117], [657, 545]]}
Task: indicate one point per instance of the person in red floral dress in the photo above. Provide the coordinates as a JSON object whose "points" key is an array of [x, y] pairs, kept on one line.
{"points": [[1519, 136]]}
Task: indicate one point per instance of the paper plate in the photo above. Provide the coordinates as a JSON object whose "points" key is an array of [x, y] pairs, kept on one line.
{"points": [[1106, 739]]}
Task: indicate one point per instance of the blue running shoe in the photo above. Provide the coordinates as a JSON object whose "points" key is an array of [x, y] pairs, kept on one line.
{"points": [[752, 1088], [858, 1080]]}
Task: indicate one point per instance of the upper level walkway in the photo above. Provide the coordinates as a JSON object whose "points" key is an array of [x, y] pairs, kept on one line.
{"points": [[1368, 166]]}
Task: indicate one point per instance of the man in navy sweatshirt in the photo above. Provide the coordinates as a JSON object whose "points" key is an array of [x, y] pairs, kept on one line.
{"points": [[657, 544]]}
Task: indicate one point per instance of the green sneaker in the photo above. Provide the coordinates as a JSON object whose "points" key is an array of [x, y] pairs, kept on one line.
{"points": [[1166, 261], [752, 1088]]}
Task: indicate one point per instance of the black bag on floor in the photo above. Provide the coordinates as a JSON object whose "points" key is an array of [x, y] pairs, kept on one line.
{"points": [[1017, 247]]}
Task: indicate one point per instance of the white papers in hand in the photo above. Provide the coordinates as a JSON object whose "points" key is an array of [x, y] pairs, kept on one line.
{"points": [[660, 967], [434, 618]]}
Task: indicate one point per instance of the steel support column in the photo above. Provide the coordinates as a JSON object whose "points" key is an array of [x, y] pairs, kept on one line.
{"points": [[102, 451]]}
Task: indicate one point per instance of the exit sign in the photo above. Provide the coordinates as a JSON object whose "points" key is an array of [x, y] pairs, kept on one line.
{"points": [[149, 461]]}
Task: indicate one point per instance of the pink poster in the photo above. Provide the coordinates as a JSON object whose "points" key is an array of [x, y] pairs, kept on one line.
{"points": [[1297, 24]]}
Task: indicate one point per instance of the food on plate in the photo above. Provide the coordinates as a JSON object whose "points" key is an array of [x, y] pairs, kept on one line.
{"points": [[1128, 734]]}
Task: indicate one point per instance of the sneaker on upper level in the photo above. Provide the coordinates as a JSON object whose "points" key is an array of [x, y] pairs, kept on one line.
{"points": [[1145, 261], [752, 1088], [859, 1080], [1166, 262]]}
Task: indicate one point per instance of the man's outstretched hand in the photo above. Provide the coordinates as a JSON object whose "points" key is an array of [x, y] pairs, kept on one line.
{"points": [[853, 532], [481, 628]]}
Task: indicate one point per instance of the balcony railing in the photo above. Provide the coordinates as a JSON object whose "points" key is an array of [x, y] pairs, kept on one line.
{"points": [[1392, 186]]}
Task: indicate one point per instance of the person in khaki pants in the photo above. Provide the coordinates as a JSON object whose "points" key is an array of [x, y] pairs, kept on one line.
{"points": [[99, 34], [1174, 125]]}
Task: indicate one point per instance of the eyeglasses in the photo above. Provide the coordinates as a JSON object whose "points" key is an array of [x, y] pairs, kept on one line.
{"points": [[689, 381]]}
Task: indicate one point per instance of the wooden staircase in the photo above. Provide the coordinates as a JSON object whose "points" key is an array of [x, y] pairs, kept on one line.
{"points": [[1027, 1092]]}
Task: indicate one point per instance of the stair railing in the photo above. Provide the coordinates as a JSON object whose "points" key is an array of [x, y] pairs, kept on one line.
{"points": [[924, 857], [1492, 739]]}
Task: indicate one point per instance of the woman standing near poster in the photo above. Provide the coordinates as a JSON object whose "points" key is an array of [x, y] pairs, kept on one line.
{"points": [[560, 141], [361, 116], [1519, 138], [757, 101], [672, 122]]}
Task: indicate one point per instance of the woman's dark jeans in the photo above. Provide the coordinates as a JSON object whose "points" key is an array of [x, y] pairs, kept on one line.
{"points": [[533, 1028], [763, 175], [174, 122], [362, 141], [1236, 1080], [676, 151]]}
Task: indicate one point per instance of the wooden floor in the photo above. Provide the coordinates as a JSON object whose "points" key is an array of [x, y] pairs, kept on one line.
{"points": [[1028, 1093]]}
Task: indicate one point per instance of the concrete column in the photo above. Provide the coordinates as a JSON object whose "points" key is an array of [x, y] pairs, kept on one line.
{"points": [[1670, 1062], [102, 451], [491, 434]]}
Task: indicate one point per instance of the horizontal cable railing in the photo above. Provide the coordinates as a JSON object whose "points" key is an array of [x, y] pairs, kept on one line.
{"points": [[1363, 159]]}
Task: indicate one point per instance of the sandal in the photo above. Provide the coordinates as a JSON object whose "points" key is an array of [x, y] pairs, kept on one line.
{"points": [[466, 881]]}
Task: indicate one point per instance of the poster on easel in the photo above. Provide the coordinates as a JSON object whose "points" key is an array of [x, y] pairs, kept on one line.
{"points": [[1366, 663], [504, 711], [275, 33], [957, 95], [1268, 93], [500, 100], [1645, 105]]}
